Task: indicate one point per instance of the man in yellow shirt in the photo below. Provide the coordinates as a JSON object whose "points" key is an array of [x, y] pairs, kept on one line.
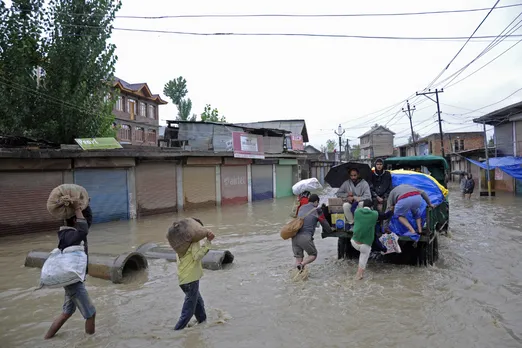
{"points": [[190, 271]]}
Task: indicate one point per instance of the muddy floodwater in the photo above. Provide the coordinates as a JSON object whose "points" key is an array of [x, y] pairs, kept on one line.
{"points": [[472, 297]]}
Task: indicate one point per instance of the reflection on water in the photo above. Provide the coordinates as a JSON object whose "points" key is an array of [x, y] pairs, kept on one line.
{"points": [[470, 298]]}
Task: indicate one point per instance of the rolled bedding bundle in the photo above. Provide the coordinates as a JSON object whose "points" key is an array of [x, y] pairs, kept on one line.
{"points": [[184, 232], [64, 199]]}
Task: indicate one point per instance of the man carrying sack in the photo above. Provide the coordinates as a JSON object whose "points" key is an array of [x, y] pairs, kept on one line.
{"points": [[304, 238]]}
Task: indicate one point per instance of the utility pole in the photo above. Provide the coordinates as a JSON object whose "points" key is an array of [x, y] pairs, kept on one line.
{"points": [[347, 150], [436, 92], [488, 179], [411, 126], [340, 132]]}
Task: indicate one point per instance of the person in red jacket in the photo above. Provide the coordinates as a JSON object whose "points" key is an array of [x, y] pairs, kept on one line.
{"points": [[303, 199]]}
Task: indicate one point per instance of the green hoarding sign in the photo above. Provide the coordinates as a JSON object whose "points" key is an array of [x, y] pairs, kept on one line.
{"points": [[98, 143]]}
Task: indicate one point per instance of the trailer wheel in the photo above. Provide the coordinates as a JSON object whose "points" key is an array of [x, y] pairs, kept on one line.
{"points": [[422, 252], [342, 244]]}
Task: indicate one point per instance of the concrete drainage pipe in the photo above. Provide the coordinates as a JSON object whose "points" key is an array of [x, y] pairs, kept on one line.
{"points": [[213, 260], [103, 266]]}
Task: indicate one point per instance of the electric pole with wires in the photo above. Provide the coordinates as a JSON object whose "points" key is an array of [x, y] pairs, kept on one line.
{"points": [[436, 92], [409, 113]]}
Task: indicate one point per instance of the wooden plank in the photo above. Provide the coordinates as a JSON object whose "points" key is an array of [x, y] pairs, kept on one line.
{"points": [[34, 164], [104, 162], [203, 161]]}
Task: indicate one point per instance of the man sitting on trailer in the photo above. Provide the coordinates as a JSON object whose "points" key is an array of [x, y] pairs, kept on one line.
{"points": [[405, 198], [381, 185], [353, 191]]}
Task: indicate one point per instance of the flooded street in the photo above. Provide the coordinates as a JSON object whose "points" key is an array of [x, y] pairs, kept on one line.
{"points": [[472, 297]]}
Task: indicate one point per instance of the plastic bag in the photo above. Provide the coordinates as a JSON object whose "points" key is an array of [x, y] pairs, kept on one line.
{"points": [[391, 243], [65, 198], [311, 184], [64, 268], [185, 232]]}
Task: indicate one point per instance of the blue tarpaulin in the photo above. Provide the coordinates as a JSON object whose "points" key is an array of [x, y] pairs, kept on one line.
{"points": [[421, 182], [509, 165]]}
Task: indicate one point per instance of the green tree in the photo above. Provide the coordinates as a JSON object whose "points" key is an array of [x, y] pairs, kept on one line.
{"points": [[184, 109], [417, 137], [20, 54], [355, 152], [79, 65], [212, 115], [176, 90]]}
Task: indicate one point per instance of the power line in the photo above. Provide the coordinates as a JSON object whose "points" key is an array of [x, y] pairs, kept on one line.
{"points": [[460, 50], [493, 44], [290, 15], [345, 36]]}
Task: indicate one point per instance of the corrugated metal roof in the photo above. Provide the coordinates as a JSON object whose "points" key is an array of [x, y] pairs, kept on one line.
{"points": [[293, 126]]}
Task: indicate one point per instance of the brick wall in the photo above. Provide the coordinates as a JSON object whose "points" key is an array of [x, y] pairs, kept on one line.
{"points": [[471, 142]]}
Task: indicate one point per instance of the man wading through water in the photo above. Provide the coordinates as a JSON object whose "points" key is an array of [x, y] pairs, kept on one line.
{"points": [[304, 239]]}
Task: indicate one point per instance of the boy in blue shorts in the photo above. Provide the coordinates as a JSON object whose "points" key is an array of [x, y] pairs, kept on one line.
{"points": [[76, 296]]}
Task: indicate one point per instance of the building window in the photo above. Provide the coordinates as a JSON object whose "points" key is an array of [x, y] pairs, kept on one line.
{"points": [[140, 134], [119, 103], [131, 107], [143, 109], [456, 146], [152, 112], [461, 144], [124, 133], [431, 148], [151, 136]]}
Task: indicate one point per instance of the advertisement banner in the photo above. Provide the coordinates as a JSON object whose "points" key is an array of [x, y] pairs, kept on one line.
{"points": [[98, 143], [297, 142], [247, 145]]}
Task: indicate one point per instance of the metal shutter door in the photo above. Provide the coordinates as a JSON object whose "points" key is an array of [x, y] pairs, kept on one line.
{"points": [[199, 186], [283, 181], [234, 184], [156, 188], [107, 189], [23, 202], [262, 182]]}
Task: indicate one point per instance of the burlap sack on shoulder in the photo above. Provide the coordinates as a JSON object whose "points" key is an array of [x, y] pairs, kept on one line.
{"points": [[184, 232], [65, 198]]}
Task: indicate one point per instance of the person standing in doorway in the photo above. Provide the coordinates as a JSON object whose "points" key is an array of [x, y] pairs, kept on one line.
{"points": [[304, 238], [463, 180]]}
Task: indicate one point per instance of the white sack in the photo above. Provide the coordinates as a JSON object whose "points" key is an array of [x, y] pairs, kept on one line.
{"points": [[64, 268], [311, 184]]}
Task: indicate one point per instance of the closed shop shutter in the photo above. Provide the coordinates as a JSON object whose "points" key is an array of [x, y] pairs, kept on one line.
{"points": [[156, 188], [108, 192], [199, 186], [234, 184], [23, 202], [262, 182], [283, 181]]}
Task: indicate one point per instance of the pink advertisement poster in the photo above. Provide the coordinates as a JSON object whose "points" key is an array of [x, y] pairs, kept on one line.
{"points": [[247, 145]]}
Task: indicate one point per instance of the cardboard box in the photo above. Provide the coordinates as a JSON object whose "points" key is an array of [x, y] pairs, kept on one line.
{"points": [[336, 209], [335, 201]]}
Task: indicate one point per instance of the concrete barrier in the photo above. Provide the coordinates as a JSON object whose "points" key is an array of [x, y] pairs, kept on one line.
{"points": [[213, 260], [104, 266]]}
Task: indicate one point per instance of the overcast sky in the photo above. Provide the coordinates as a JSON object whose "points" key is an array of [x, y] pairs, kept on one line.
{"points": [[325, 81]]}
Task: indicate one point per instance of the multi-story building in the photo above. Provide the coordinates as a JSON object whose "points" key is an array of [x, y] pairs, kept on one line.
{"points": [[376, 143], [453, 143], [136, 113]]}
